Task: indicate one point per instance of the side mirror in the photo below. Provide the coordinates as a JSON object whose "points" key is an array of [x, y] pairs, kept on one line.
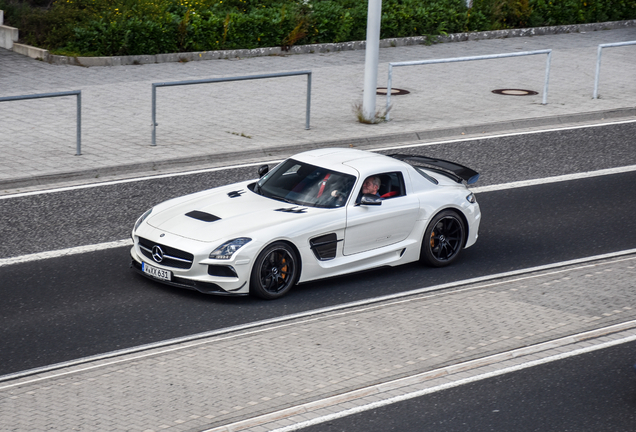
{"points": [[262, 170], [370, 200]]}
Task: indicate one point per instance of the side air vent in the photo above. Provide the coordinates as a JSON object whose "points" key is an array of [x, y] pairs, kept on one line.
{"points": [[222, 271], [203, 216], [292, 210], [235, 194], [324, 246]]}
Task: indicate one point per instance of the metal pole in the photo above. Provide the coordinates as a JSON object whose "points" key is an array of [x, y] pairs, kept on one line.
{"points": [[598, 62], [217, 80], [547, 78], [78, 93], [78, 144], [372, 52], [598, 71], [154, 115], [388, 91], [308, 109]]}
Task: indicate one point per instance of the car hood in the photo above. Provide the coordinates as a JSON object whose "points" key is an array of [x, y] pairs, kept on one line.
{"points": [[224, 213]]}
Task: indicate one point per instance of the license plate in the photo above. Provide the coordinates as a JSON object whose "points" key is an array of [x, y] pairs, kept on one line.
{"points": [[155, 272]]}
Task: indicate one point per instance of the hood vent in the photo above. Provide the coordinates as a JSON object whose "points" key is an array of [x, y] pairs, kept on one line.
{"points": [[292, 210], [203, 216], [235, 194]]}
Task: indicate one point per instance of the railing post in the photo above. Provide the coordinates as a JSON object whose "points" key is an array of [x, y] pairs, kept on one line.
{"points": [[308, 108], [154, 114], [77, 93], [598, 62], [598, 71], [388, 92], [547, 78], [78, 142], [215, 80], [463, 59]]}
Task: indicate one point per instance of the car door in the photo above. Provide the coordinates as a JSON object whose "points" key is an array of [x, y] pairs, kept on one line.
{"points": [[373, 226]]}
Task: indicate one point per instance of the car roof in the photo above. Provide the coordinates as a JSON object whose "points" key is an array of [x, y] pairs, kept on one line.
{"points": [[363, 162]]}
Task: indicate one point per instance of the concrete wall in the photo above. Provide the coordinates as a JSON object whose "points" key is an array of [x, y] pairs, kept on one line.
{"points": [[8, 35]]}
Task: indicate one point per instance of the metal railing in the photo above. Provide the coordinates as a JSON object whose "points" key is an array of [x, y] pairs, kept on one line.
{"points": [[216, 80], [598, 62], [462, 59], [78, 93]]}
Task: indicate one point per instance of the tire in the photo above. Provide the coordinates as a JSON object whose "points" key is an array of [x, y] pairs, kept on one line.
{"points": [[275, 272], [443, 240]]}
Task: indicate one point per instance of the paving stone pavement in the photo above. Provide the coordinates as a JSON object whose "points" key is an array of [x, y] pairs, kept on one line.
{"points": [[213, 124], [331, 360]]}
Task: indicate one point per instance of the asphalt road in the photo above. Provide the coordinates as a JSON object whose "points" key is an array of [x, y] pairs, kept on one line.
{"points": [[66, 308], [587, 393]]}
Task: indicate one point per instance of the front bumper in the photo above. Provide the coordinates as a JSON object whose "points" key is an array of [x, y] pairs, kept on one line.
{"points": [[202, 287], [191, 280]]}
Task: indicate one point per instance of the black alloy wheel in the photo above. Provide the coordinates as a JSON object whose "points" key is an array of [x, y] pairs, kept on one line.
{"points": [[275, 271], [443, 240]]}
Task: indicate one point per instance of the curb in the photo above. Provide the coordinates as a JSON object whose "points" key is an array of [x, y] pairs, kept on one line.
{"points": [[42, 54], [371, 142]]}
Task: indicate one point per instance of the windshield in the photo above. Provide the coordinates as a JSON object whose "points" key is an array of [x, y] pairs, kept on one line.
{"points": [[304, 184]]}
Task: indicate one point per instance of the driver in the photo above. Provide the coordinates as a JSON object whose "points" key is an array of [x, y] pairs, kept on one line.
{"points": [[371, 185]]}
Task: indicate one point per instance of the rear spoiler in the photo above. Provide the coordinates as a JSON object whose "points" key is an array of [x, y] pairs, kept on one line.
{"points": [[453, 170]]}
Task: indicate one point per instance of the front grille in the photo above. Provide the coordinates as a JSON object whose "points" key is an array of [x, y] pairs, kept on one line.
{"points": [[172, 257]]}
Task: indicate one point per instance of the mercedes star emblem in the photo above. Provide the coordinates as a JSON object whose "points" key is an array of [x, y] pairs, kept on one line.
{"points": [[157, 254]]}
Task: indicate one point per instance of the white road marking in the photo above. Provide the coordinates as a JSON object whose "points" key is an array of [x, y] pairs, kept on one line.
{"points": [[491, 188], [177, 344], [555, 179], [207, 170], [64, 252], [133, 180]]}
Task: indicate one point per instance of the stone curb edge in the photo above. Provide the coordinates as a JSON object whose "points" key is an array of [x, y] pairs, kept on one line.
{"points": [[422, 377], [42, 54], [285, 151]]}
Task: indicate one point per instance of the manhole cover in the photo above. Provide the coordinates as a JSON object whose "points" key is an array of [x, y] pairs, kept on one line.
{"points": [[515, 92], [394, 91]]}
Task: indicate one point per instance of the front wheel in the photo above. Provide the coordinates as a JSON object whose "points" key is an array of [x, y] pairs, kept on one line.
{"points": [[275, 271], [443, 240]]}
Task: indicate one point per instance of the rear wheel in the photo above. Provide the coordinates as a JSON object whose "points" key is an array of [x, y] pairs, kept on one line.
{"points": [[275, 271], [443, 240]]}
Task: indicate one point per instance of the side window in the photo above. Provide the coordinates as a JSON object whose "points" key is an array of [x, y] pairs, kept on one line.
{"points": [[392, 185]]}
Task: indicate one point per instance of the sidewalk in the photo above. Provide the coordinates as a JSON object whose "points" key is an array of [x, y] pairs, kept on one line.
{"points": [[268, 375], [224, 123]]}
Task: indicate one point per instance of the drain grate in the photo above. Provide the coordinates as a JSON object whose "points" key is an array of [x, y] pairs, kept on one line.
{"points": [[515, 92], [394, 91]]}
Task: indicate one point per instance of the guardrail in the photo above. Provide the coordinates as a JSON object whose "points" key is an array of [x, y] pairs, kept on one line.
{"points": [[78, 93], [216, 80], [462, 59], [598, 62]]}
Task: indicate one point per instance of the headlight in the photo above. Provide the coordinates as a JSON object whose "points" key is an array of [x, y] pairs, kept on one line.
{"points": [[471, 198], [141, 219], [227, 249]]}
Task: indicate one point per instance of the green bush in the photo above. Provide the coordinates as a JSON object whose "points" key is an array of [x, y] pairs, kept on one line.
{"points": [[502, 14], [137, 27]]}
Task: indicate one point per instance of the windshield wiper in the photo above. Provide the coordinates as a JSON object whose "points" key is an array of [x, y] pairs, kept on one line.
{"points": [[287, 200]]}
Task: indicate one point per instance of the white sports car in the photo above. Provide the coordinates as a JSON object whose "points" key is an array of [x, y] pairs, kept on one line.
{"points": [[318, 214]]}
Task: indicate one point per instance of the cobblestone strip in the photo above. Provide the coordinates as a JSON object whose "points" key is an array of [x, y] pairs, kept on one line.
{"points": [[225, 379], [430, 382]]}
